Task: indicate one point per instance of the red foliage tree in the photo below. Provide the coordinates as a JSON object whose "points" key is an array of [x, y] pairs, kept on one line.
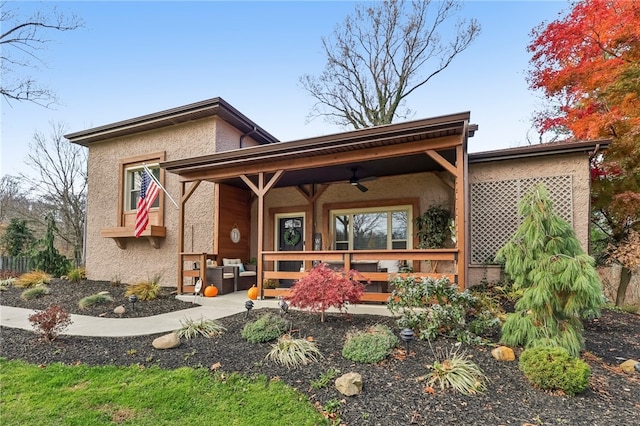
{"points": [[587, 64], [50, 322], [324, 287]]}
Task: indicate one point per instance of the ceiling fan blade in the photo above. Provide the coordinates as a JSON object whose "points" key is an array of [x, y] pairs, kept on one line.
{"points": [[361, 187]]}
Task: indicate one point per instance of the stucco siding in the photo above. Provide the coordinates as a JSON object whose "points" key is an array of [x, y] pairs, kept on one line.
{"points": [[575, 165], [139, 260]]}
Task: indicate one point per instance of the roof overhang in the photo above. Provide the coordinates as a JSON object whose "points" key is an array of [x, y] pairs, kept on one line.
{"points": [[539, 150], [379, 151], [215, 107]]}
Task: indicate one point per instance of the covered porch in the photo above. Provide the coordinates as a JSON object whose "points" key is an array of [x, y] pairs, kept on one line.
{"points": [[386, 172]]}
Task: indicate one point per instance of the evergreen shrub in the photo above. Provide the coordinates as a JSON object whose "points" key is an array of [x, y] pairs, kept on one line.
{"points": [[436, 307], [267, 327], [559, 281], [370, 346], [553, 368]]}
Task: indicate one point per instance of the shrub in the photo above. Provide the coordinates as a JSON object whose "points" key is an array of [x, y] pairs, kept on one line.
{"points": [[205, 327], [147, 290], [94, 299], [50, 322], [292, 352], [35, 292], [323, 288], [33, 278], [435, 308], [266, 328], [370, 346], [76, 275], [559, 281], [454, 370], [48, 258], [553, 368]]}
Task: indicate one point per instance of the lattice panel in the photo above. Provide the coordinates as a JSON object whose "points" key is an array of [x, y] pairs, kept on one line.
{"points": [[494, 211]]}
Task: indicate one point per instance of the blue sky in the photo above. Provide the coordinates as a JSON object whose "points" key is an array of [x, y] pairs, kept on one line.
{"points": [[136, 58]]}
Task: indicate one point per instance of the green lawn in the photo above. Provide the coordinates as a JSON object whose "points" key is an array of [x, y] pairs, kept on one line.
{"points": [[80, 395]]}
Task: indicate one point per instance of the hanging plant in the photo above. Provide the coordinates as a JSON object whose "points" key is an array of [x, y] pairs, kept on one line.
{"points": [[291, 236], [433, 227]]}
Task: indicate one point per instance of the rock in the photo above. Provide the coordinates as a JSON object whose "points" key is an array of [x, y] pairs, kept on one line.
{"points": [[503, 353], [349, 384], [168, 341], [629, 366], [119, 310]]}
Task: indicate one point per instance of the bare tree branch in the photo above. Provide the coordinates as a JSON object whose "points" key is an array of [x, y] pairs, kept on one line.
{"points": [[381, 55], [20, 45], [62, 182]]}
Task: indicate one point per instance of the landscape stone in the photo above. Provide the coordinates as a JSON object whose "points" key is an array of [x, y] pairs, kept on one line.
{"points": [[349, 384], [168, 341], [629, 366], [503, 353], [119, 310]]}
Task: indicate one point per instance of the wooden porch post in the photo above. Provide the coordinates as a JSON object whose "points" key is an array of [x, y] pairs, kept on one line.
{"points": [[261, 190]]}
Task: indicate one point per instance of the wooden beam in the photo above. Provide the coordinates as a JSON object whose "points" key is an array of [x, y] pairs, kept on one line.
{"points": [[334, 158], [442, 161]]}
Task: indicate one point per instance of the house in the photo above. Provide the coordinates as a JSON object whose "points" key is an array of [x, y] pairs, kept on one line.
{"points": [[349, 199]]}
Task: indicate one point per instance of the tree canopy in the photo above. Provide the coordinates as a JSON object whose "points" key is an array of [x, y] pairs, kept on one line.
{"points": [[382, 54], [587, 64]]}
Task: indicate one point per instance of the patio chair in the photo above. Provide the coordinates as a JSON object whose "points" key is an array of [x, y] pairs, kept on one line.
{"points": [[245, 275], [223, 277]]}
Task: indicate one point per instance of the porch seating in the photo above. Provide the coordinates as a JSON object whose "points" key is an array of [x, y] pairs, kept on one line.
{"points": [[245, 276], [223, 277]]}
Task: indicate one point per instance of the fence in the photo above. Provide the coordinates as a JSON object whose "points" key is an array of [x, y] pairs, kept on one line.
{"points": [[17, 264]]}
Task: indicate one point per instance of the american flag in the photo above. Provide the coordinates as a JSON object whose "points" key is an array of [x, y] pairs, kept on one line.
{"points": [[148, 192]]}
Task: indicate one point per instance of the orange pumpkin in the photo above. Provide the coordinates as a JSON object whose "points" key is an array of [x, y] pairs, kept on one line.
{"points": [[252, 293], [211, 291]]}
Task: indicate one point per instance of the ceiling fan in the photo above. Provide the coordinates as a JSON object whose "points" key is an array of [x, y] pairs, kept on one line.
{"points": [[355, 181]]}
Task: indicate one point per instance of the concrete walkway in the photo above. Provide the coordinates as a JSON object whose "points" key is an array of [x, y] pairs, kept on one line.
{"points": [[204, 307]]}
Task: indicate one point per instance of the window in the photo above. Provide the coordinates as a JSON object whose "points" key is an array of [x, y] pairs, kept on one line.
{"points": [[132, 185], [129, 191], [372, 228]]}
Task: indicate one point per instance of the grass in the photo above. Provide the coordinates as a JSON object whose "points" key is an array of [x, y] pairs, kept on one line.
{"points": [[73, 395], [292, 352], [94, 299], [204, 327]]}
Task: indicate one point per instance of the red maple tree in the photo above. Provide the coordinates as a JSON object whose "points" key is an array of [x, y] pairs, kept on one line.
{"points": [[587, 64], [324, 288]]}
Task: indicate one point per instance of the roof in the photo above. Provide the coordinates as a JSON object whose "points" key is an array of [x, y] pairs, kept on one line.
{"points": [[339, 149], [551, 148], [195, 111]]}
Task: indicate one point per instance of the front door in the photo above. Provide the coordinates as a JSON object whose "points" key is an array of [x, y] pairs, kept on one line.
{"points": [[290, 237]]}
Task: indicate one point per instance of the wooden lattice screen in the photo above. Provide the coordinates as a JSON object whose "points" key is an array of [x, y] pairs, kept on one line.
{"points": [[494, 211]]}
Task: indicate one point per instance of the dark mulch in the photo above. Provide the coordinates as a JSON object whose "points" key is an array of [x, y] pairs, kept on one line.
{"points": [[394, 390]]}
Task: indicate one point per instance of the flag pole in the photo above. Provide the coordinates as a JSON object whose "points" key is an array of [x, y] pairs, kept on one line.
{"points": [[146, 169]]}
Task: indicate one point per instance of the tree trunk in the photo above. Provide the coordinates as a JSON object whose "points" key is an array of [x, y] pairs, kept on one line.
{"points": [[625, 277]]}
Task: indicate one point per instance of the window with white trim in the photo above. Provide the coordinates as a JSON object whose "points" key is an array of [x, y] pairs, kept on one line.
{"points": [[376, 228]]}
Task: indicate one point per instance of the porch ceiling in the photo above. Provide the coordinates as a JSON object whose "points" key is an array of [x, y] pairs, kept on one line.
{"points": [[394, 149]]}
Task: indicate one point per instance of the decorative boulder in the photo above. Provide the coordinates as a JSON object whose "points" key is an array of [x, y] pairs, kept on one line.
{"points": [[629, 366], [168, 341], [119, 310], [503, 353], [349, 384]]}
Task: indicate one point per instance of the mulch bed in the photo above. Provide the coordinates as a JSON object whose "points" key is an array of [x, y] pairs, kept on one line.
{"points": [[394, 391]]}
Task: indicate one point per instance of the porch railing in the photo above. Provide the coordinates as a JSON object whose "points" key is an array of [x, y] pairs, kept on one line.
{"points": [[370, 263], [419, 262]]}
